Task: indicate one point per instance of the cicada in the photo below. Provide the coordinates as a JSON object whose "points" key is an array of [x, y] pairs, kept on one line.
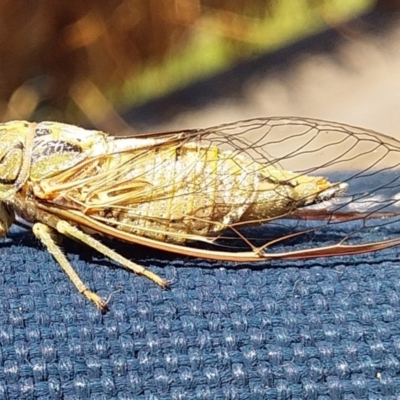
{"points": [[234, 192]]}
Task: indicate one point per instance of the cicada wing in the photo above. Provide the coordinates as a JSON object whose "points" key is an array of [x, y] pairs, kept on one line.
{"points": [[364, 218]]}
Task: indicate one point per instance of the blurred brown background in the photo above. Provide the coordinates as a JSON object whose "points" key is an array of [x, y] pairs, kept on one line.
{"points": [[186, 63]]}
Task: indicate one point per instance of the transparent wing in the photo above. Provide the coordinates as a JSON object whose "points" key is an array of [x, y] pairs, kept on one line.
{"points": [[206, 185]]}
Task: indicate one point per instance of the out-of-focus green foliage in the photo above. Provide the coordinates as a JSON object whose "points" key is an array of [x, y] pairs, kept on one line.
{"points": [[222, 37], [72, 60]]}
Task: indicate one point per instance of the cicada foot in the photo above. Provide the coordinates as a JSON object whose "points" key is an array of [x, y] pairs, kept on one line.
{"points": [[96, 299]]}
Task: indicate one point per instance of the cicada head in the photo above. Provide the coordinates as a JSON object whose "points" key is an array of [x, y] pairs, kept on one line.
{"points": [[14, 137]]}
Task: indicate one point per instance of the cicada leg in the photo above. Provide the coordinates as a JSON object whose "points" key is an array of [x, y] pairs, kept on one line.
{"points": [[43, 232]]}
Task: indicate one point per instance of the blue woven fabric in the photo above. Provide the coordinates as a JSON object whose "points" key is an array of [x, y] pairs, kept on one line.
{"points": [[316, 329]]}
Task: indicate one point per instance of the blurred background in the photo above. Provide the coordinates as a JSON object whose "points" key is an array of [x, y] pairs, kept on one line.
{"points": [[133, 65]]}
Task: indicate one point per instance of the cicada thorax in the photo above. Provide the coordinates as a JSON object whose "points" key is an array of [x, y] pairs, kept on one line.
{"points": [[33, 151]]}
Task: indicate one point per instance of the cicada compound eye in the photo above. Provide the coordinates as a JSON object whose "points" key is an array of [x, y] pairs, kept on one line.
{"points": [[11, 158]]}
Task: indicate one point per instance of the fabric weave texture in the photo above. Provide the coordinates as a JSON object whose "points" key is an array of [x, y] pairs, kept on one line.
{"points": [[316, 329]]}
